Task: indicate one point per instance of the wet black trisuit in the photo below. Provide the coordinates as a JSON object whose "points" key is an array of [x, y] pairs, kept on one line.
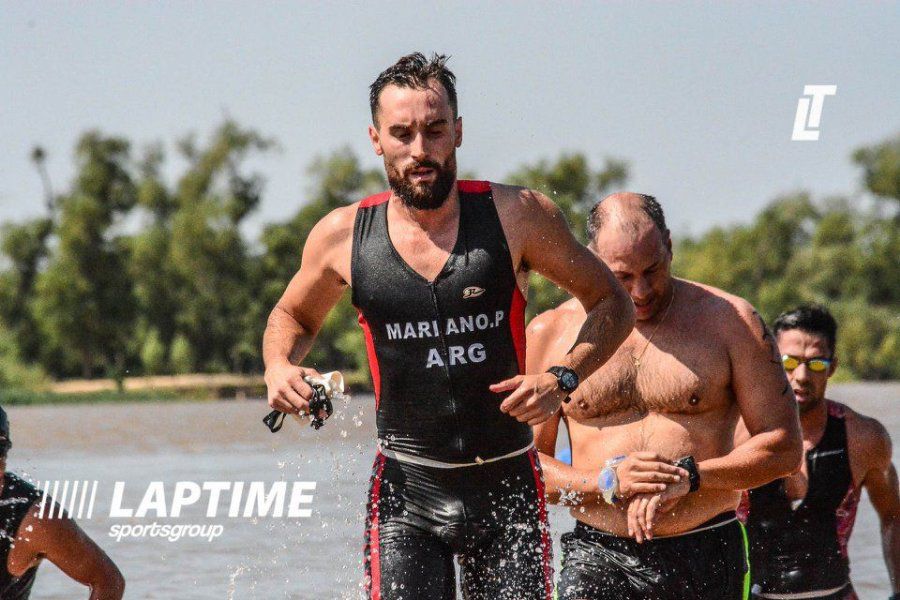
{"points": [[707, 563], [802, 550], [15, 500], [434, 348]]}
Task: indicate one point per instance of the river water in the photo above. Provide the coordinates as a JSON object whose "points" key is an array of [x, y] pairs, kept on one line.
{"points": [[318, 557]]}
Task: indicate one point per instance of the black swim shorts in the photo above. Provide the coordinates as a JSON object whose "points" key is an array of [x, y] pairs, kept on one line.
{"points": [[707, 563]]}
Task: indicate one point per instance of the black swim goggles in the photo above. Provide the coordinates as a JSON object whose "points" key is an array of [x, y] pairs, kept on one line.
{"points": [[319, 402]]}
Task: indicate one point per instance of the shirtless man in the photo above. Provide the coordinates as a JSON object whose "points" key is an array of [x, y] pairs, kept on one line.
{"points": [[26, 540], [437, 269], [799, 526], [697, 360]]}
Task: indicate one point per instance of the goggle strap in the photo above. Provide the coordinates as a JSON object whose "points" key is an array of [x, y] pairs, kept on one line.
{"points": [[274, 420]]}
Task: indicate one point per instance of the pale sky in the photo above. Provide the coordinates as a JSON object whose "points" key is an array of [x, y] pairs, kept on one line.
{"points": [[699, 98]]}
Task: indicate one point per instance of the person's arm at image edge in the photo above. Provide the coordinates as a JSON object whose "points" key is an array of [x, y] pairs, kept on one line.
{"points": [[62, 542], [881, 484]]}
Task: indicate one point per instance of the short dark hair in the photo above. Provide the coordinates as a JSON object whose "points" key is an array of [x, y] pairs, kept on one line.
{"points": [[414, 71], [649, 205], [811, 318]]}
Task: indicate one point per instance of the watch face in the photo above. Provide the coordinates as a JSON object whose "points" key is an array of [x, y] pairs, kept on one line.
{"points": [[607, 479], [569, 381]]}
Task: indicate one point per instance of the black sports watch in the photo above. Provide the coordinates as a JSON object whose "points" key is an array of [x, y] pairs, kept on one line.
{"points": [[566, 378], [690, 465]]}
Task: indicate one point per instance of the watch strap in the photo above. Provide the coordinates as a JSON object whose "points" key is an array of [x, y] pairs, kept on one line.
{"points": [[690, 465], [563, 373]]}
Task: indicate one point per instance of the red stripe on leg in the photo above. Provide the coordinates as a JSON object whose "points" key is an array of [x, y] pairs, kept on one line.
{"points": [[372, 549], [546, 547]]}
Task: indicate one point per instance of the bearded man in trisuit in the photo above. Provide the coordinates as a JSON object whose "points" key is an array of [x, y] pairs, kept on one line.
{"points": [[799, 526], [437, 269], [656, 476]]}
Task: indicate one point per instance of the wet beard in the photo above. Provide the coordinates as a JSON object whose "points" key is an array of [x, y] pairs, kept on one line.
{"points": [[429, 196]]}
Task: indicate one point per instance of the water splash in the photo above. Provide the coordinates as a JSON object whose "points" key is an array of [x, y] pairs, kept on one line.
{"points": [[231, 581]]}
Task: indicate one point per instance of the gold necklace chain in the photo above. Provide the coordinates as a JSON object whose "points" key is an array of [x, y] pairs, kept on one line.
{"points": [[637, 359]]}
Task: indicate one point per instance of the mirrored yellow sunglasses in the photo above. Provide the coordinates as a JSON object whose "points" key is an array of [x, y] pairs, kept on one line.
{"points": [[816, 365]]}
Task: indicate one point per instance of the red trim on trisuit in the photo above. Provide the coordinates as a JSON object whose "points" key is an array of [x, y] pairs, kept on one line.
{"points": [[473, 187], [375, 200], [373, 357], [517, 326]]}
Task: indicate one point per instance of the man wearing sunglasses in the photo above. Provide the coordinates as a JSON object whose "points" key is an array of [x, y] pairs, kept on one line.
{"points": [[26, 539], [799, 526]]}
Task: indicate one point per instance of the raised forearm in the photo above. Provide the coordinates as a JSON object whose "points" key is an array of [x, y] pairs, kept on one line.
{"points": [[565, 484], [285, 341], [890, 544], [108, 590], [763, 458], [607, 325]]}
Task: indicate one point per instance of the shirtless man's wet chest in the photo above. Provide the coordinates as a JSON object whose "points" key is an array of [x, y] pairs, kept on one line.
{"points": [[680, 372]]}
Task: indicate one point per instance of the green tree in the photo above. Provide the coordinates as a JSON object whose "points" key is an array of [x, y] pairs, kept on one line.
{"points": [[128, 271], [749, 260], [183, 360], [150, 268], [83, 301], [834, 252], [24, 248], [881, 167], [153, 353], [14, 372], [207, 264]]}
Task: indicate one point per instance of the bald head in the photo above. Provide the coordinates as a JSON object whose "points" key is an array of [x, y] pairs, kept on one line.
{"points": [[628, 231], [627, 211]]}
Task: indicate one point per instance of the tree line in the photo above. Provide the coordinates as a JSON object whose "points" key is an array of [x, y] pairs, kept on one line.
{"points": [[127, 273]]}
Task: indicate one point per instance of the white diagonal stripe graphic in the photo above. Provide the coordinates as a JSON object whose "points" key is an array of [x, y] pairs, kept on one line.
{"points": [[90, 511], [52, 496], [43, 499], [75, 486], [84, 489], [63, 498]]}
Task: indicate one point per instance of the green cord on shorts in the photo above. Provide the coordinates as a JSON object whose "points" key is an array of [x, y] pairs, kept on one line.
{"points": [[746, 594]]}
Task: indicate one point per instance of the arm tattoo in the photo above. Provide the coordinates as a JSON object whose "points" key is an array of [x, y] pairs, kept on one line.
{"points": [[775, 357], [769, 339]]}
